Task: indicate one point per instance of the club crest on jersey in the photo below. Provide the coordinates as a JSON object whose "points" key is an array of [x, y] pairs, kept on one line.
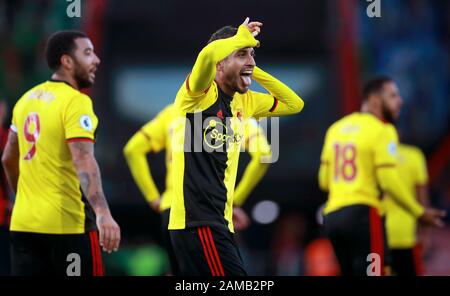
{"points": [[239, 115], [86, 123]]}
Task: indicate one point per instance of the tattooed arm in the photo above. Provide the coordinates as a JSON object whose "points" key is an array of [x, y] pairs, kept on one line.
{"points": [[10, 160], [91, 184], [89, 175]]}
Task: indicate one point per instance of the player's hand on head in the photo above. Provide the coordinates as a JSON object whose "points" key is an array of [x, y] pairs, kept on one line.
{"points": [[254, 27], [433, 217], [109, 232]]}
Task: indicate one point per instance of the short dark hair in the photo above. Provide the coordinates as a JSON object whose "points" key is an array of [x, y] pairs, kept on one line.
{"points": [[374, 85], [223, 33], [59, 44]]}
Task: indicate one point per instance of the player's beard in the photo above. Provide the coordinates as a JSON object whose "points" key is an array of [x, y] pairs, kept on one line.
{"points": [[81, 76], [233, 80], [237, 84], [388, 115]]}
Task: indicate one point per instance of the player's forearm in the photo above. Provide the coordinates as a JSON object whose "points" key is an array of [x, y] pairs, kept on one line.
{"points": [[422, 195], [135, 152], [10, 160], [89, 175], [253, 174], [390, 182], [288, 101], [91, 185], [204, 70], [137, 162], [12, 174]]}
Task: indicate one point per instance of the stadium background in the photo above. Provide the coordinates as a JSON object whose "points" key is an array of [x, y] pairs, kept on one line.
{"points": [[324, 50]]}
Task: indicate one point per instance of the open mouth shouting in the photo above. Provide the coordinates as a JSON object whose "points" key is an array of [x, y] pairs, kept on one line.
{"points": [[246, 77]]}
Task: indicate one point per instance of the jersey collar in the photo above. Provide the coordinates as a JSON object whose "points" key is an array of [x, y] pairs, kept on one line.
{"points": [[63, 81]]}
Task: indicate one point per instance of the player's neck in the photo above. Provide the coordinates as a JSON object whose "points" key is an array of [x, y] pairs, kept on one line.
{"points": [[66, 78], [223, 85], [225, 89], [366, 108]]}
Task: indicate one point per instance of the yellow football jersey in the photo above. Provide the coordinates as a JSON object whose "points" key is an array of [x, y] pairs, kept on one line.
{"points": [[207, 140], [355, 146], [256, 144], [158, 136], [401, 226], [49, 198], [208, 133]]}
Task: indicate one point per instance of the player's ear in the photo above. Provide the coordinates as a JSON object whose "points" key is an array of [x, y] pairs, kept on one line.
{"points": [[67, 61], [219, 66], [374, 100]]}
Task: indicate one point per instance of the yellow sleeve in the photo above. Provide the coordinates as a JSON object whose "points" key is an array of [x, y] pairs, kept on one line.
{"points": [[386, 146], [15, 125], [151, 138], [156, 130], [325, 163], [79, 118], [259, 149], [421, 177], [199, 91], [281, 101], [387, 172], [390, 181], [204, 70]]}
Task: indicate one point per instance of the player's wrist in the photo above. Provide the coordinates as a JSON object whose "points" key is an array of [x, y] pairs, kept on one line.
{"points": [[419, 211], [155, 204], [103, 212], [245, 35]]}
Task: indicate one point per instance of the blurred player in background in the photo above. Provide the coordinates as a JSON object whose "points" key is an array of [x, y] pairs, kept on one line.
{"points": [[5, 201], [211, 103], [155, 136], [401, 225], [50, 164], [359, 156]]}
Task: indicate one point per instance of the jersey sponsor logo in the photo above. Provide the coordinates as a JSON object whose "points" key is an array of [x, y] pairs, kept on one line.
{"points": [[217, 134], [86, 123]]}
